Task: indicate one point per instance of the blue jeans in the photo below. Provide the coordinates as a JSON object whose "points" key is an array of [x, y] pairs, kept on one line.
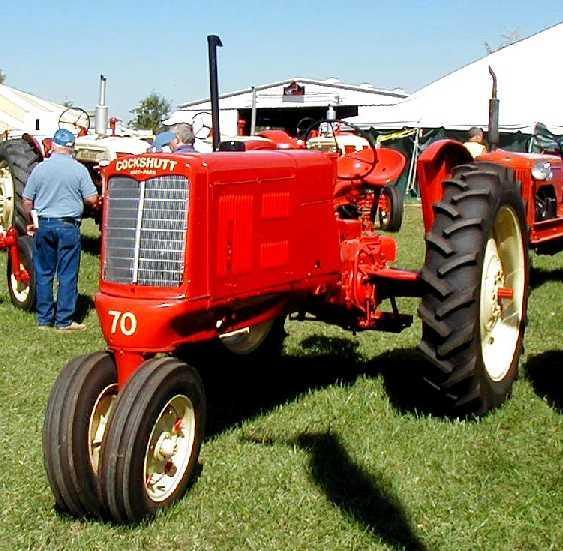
{"points": [[56, 251]]}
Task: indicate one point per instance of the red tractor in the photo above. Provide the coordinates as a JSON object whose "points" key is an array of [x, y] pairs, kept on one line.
{"points": [[210, 252]]}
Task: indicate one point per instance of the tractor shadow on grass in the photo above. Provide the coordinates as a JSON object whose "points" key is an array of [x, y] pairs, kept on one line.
{"points": [[84, 304], [545, 373], [360, 495], [238, 390], [539, 276], [90, 245]]}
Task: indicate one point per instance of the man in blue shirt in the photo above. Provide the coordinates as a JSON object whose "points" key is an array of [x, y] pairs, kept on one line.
{"points": [[57, 190]]}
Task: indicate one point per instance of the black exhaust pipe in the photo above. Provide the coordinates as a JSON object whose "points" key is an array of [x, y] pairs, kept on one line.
{"points": [[494, 104], [213, 41]]}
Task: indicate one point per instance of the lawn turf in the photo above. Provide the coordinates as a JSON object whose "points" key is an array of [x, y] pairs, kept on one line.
{"points": [[335, 448]]}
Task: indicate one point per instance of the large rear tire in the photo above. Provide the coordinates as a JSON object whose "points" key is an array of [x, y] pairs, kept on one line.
{"points": [[17, 159], [474, 305], [153, 442], [75, 424], [21, 294]]}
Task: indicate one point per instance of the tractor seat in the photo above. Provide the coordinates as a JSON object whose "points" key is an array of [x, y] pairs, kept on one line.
{"points": [[389, 165]]}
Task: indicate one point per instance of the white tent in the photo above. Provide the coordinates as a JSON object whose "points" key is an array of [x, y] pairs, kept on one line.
{"points": [[22, 112], [530, 87]]}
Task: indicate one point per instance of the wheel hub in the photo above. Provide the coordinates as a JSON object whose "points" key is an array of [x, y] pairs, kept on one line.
{"points": [[169, 448], [165, 447], [493, 281]]}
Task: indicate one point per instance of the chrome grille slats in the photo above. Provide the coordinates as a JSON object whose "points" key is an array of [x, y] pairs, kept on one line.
{"points": [[158, 230], [119, 232]]}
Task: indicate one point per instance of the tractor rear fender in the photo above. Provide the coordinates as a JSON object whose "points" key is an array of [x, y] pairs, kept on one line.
{"points": [[435, 164]]}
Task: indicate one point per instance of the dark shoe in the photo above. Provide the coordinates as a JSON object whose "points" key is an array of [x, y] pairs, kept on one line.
{"points": [[71, 328]]}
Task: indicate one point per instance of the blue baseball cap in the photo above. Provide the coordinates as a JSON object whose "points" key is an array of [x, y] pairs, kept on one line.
{"points": [[163, 139], [64, 138]]}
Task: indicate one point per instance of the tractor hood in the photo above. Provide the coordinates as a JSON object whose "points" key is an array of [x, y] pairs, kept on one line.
{"points": [[97, 149]]}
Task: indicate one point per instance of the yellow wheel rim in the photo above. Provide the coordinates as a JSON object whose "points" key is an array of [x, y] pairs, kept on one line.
{"points": [[6, 196], [502, 294]]}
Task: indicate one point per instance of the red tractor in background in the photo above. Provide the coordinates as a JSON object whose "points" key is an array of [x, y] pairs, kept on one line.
{"points": [[212, 251]]}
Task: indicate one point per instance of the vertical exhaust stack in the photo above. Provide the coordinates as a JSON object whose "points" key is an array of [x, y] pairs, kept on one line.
{"points": [[213, 41], [102, 109], [494, 104]]}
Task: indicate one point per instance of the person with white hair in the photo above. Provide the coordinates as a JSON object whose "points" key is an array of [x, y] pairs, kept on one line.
{"points": [[185, 138]]}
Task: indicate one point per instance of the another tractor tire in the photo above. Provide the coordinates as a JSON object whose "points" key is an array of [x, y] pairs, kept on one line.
{"points": [[22, 295], [153, 442], [263, 341], [391, 215], [75, 423], [17, 159], [476, 251], [259, 345]]}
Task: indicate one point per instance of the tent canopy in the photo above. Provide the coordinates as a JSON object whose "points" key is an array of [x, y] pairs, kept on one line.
{"points": [[22, 112], [530, 81]]}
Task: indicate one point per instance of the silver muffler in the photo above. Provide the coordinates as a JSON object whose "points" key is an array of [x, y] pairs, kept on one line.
{"points": [[102, 110]]}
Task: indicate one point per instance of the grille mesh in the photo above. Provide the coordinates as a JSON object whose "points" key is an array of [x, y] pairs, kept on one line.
{"points": [[145, 231]]}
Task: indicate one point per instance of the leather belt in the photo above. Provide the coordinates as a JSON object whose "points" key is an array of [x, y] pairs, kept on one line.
{"points": [[66, 219]]}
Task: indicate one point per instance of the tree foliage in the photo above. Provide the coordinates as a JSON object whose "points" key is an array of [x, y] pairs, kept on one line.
{"points": [[150, 113], [2, 77]]}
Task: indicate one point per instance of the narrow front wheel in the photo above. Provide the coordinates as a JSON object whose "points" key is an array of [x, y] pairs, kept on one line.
{"points": [[153, 443], [75, 424]]}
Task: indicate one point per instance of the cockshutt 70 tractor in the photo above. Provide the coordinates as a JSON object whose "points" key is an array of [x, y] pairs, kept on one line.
{"points": [[215, 250]]}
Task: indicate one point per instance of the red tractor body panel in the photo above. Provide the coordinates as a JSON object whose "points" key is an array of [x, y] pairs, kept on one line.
{"points": [[254, 221], [436, 162], [262, 238], [541, 229]]}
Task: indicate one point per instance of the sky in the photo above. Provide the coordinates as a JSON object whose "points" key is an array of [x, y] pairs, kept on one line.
{"points": [[57, 49]]}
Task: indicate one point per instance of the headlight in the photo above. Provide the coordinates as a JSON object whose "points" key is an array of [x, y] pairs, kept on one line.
{"points": [[542, 171]]}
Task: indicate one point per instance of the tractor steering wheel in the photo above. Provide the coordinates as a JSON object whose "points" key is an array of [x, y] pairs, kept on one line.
{"points": [[351, 165], [304, 127], [75, 118]]}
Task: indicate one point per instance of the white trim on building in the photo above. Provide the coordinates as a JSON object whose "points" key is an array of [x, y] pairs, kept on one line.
{"points": [[317, 96]]}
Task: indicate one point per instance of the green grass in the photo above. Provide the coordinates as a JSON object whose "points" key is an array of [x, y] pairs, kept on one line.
{"points": [[334, 449]]}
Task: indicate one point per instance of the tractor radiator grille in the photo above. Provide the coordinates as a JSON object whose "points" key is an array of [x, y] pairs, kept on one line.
{"points": [[145, 231]]}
